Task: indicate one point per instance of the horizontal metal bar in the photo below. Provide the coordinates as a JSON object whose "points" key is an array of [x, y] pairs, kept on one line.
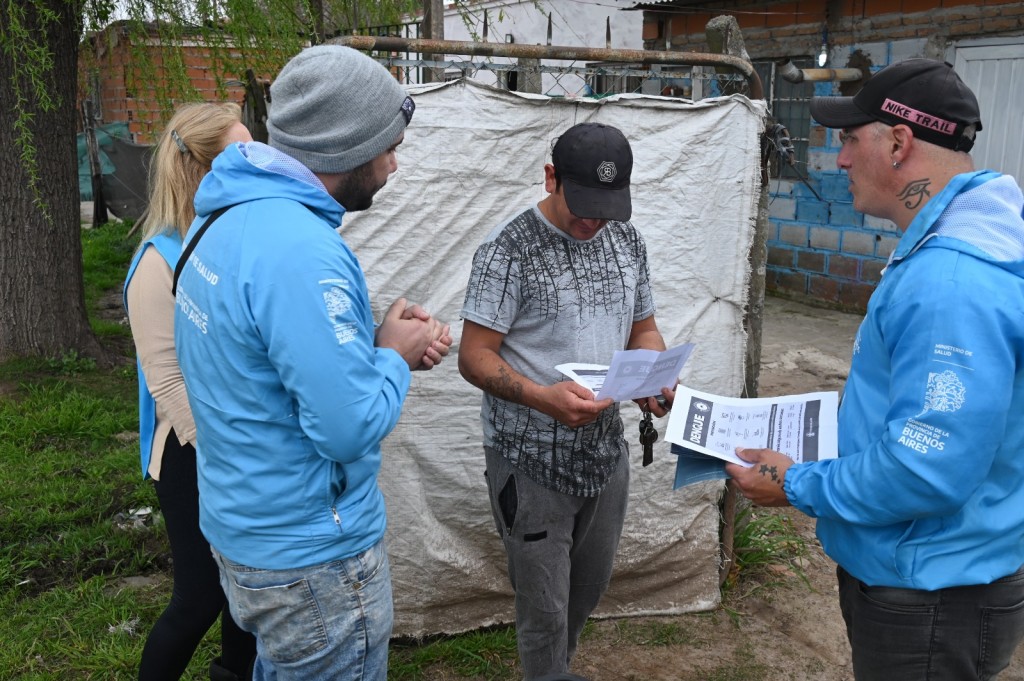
{"points": [[520, 51]]}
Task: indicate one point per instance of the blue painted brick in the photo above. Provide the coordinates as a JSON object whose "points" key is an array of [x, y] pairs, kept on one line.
{"points": [[812, 210], [834, 186], [844, 215], [823, 88]]}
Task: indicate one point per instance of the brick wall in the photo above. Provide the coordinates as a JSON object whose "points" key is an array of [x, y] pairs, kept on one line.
{"points": [[823, 250], [131, 80]]}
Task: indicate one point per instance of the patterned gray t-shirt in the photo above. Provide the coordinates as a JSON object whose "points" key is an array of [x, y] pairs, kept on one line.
{"points": [[557, 299]]}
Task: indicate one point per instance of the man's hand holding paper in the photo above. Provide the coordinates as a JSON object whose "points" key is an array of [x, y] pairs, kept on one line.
{"points": [[634, 375]]}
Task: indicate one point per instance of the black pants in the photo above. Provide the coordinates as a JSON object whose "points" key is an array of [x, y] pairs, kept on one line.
{"points": [[197, 598], [962, 633]]}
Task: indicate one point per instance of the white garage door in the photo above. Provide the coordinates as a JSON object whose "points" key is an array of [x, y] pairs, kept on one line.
{"points": [[994, 70]]}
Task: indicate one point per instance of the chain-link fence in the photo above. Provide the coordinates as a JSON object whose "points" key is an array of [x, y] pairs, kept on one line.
{"points": [[556, 71]]}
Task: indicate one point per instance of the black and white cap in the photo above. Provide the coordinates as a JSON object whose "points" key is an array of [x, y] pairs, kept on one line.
{"points": [[594, 162]]}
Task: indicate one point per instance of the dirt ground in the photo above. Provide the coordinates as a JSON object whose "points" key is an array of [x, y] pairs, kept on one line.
{"points": [[776, 626]]}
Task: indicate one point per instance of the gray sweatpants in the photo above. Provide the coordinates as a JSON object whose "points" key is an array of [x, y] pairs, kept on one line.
{"points": [[560, 552]]}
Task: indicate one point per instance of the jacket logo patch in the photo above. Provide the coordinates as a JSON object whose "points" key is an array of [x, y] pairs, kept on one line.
{"points": [[338, 304], [945, 392]]}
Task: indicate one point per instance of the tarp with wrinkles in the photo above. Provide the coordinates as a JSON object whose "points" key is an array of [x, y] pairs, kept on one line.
{"points": [[473, 156]]}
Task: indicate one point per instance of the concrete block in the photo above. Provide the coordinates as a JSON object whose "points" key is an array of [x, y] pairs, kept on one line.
{"points": [[860, 243], [878, 53], [823, 288], [810, 261], [791, 281], [880, 225], [871, 270], [825, 89], [812, 210], [795, 235], [782, 209], [782, 188], [886, 245], [855, 296], [843, 214], [819, 159], [818, 137], [907, 49], [825, 238], [843, 267], [834, 186], [780, 256]]}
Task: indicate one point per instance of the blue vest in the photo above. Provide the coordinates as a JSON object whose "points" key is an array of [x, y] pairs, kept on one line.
{"points": [[168, 245]]}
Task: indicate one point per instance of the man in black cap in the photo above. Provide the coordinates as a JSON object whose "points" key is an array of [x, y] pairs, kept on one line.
{"points": [[564, 281], [924, 509]]}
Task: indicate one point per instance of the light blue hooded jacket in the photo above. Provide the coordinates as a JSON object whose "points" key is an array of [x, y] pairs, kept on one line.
{"points": [[928, 489], [275, 338]]}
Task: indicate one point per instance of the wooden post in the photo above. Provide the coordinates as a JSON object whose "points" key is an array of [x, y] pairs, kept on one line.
{"points": [[254, 113], [724, 37], [433, 29], [99, 205]]}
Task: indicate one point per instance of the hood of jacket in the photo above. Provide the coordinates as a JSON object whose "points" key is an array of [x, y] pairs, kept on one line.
{"points": [[251, 171], [979, 213]]}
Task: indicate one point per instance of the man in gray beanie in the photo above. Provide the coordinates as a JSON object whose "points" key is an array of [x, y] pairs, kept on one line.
{"points": [[291, 385]]}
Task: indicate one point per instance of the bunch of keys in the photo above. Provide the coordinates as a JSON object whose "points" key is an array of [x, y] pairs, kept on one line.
{"points": [[648, 436]]}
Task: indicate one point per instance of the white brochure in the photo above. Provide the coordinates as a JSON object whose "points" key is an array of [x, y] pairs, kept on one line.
{"points": [[633, 373], [803, 427]]}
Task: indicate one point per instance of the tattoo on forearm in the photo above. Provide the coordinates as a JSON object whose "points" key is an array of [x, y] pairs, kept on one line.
{"points": [[913, 194], [771, 472], [505, 386]]}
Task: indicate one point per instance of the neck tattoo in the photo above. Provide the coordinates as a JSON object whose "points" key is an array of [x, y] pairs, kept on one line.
{"points": [[914, 193]]}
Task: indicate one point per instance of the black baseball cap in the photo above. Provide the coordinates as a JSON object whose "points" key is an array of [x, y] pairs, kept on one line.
{"points": [[594, 162], [924, 94]]}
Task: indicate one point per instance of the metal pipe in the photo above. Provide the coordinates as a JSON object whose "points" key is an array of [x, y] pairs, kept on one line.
{"points": [[791, 73], [518, 50]]}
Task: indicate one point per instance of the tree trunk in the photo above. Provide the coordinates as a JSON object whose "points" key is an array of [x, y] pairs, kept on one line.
{"points": [[42, 300]]}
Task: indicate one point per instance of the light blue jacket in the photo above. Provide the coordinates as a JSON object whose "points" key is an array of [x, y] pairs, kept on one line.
{"points": [[275, 339], [168, 245], [928, 489]]}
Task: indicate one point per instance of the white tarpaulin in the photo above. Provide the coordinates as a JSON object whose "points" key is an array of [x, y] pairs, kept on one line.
{"points": [[472, 157]]}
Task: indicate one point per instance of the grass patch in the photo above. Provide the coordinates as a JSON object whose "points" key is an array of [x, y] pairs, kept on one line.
{"points": [[488, 654], [654, 633], [765, 539], [80, 589], [107, 251]]}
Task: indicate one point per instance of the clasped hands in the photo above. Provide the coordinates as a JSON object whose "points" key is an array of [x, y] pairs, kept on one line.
{"points": [[412, 332]]}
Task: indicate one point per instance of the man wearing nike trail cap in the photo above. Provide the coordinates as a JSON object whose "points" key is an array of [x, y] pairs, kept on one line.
{"points": [[564, 281], [924, 509]]}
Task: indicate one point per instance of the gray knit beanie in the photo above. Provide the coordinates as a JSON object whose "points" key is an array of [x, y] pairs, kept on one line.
{"points": [[333, 109]]}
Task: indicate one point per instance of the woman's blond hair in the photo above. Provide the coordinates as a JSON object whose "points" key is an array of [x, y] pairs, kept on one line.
{"points": [[183, 156]]}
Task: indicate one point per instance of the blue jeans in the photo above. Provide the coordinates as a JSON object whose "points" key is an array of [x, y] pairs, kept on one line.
{"points": [[327, 622], [959, 633]]}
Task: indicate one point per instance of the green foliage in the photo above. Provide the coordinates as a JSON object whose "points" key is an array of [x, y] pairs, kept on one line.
{"points": [[106, 253], [655, 633], [31, 83], [765, 538]]}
